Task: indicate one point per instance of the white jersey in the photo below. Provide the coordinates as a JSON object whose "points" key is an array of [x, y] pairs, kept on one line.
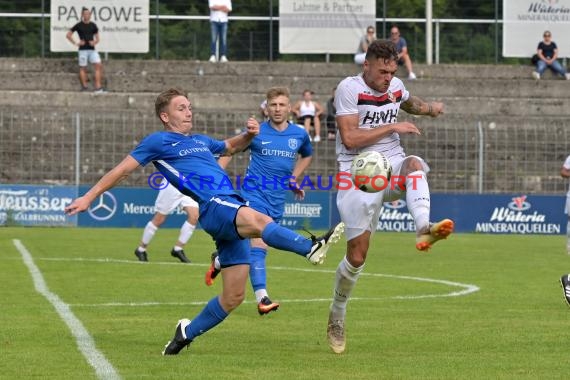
{"points": [[374, 109], [307, 109], [567, 166]]}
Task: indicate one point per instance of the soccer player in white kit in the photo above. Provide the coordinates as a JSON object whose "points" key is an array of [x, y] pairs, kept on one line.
{"points": [[168, 199], [367, 108]]}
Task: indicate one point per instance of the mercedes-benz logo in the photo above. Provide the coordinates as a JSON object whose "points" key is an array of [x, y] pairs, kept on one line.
{"points": [[104, 208]]}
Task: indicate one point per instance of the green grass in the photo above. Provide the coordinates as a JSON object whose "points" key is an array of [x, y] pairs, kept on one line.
{"points": [[515, 326]]}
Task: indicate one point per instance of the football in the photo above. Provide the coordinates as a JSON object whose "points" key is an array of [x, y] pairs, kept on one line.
{"points": [[371, 171]]}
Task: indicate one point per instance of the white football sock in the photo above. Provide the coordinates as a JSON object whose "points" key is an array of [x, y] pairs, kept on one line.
{"points": [[186, 232], [259, 294], [345, 280], [418, 199], [148, 233]]}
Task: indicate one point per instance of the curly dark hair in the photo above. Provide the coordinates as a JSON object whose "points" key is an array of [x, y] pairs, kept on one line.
{"points": [[384, 49]]}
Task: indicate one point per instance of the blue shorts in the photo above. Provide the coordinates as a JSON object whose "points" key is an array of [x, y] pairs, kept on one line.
{"points": [[262, 207], [217, 218]]}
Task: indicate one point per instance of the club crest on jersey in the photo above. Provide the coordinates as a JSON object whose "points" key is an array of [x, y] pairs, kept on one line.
{"points": [[391, 97], [292, 143], [198, 141]]}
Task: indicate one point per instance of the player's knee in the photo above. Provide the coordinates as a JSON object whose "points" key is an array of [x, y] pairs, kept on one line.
{"points": [[232, 300]]}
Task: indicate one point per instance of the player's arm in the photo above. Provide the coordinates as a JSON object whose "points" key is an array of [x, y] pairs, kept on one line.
{"points": [[300, 166], [353, 137], [416, 106], [109, 180], [564, 172], [240, 142]]}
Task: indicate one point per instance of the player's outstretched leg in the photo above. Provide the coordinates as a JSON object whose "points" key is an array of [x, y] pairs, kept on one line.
{"points": [[565, 282], [322, 244], [437, 231]]}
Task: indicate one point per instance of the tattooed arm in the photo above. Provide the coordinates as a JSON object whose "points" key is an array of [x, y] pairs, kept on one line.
{"points": [[417, 106]]}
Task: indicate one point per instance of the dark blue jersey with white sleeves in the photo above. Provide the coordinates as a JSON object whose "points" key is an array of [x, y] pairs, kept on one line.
{"points": [[272, 160], [187, 162]]}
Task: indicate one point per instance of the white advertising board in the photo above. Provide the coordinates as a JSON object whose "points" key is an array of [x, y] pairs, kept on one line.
{"points": [[123, 24], [324, 26], [524, 22]]}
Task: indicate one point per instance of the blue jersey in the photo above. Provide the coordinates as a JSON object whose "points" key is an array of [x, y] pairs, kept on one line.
{"points": [[272, 160], [187, 162]]}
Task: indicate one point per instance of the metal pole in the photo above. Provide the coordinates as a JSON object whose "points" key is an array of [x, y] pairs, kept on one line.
{"points": [[480, 176], [271, 31], [429, 33], [437, 42], [496, 31], [77, 148], [43, 29], [157, 55], [384, 19]]}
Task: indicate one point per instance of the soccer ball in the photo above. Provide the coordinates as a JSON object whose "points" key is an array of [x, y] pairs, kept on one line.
{"points": [[371, 171]]}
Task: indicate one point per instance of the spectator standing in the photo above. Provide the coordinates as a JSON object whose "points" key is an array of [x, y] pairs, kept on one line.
{"points": [[219, 10], [547, 52], [402, 48], [308, 111], [363, 44], [88, 37]]}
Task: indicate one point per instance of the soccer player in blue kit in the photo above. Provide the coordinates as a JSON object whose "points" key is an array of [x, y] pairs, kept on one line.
{"points": [[273, 169], [186, 160]]}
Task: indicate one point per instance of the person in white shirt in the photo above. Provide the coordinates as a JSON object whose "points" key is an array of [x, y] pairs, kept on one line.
{"points": [[308, 111], [219, 10], [367, 107]]}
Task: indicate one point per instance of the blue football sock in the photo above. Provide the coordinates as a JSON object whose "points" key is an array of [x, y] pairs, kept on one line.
{"points": [[209, 317], [284, 239], [257, 272]]}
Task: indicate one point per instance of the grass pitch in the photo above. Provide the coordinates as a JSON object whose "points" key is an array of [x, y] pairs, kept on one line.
{"points": [[413, 316]]}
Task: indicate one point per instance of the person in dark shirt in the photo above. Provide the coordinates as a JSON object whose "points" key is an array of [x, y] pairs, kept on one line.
{"points": [[547, 53], [88, 37]]}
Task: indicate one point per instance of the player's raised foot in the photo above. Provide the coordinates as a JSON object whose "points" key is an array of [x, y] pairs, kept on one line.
{"points": [[322, 244], [565, 282], [335, 335], [180, 255], [141, 255], [212, 272], [437, 231], [266, 306], [179, 341]]}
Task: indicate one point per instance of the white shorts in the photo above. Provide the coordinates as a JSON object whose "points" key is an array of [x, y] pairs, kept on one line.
{"points": [[360, 211], [567, 207], [169, 198], [88, 56]]}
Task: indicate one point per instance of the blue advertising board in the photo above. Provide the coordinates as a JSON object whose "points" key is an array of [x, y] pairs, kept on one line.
{"points": [[125, 207], [32, 205]]}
